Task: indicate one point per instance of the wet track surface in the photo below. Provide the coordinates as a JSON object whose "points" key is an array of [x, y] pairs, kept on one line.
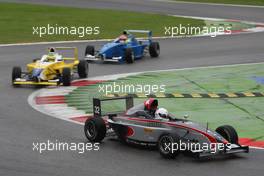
{"points": [[20, 125]]}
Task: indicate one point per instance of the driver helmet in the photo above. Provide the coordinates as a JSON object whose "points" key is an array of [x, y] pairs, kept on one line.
{"points": [[122, 38], [151, 104], [51, 51], [161, 113], [51, 55]]}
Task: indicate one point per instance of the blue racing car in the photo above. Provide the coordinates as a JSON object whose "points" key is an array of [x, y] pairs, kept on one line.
{"points": [[125, 48]]}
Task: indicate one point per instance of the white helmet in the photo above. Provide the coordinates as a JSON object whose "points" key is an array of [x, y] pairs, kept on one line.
{"points": [[161, 113]]}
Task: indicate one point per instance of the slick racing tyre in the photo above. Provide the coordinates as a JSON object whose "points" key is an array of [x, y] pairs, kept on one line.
{"points": [[229, 133], [129, 56], [66, 77], [168, 146], [95, 129], [89, 50], [154, 49], [16, 73], [83, 69]]}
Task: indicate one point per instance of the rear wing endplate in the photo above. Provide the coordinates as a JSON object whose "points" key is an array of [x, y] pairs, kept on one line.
{"points": [[97, 110]]}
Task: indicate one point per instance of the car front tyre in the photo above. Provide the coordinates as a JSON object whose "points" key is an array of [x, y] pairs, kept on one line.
{"points": [[16, 73], [89, 50], [154, 49], [167, 144], [229, 133], [66, 77], [129, 56], [83, 69]]}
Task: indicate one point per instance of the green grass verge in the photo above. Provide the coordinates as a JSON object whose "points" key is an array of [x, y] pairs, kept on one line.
{"points": [[244, 114], [17, 21], [240, 2]]}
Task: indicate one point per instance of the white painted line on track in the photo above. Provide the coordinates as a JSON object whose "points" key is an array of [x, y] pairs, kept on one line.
{"points": [[212, 4], [216, 19]]}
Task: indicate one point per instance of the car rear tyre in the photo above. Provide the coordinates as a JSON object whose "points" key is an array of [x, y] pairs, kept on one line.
{"points": [[16, 73], [129, 56], [229, 133], [154, 49], [95, 129], [89, 50], [83, 69], [66, 77], [168, 146]]}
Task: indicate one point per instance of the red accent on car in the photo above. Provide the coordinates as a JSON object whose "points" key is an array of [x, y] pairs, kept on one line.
{"points": [[225, 141], [130, 131]]}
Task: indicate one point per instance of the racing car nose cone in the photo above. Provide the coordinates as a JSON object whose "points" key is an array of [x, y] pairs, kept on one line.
{"points": [[108, 47]]}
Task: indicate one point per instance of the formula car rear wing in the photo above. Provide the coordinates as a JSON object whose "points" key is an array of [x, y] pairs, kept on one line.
{"points": [[141, 31], [97, 108], [74, 49]]}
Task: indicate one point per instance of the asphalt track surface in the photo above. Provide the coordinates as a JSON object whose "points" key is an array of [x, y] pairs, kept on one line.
{"points": [[20, 125]]}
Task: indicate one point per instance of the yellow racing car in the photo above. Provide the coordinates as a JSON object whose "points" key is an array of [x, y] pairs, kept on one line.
{"points": [[52, 69]]}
